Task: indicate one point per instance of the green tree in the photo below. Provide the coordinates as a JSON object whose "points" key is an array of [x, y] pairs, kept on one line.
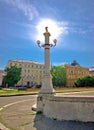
{"points": [[13, 75], [85, 81], [58, 75]]}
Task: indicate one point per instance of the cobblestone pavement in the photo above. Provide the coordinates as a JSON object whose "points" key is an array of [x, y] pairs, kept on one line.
{"points": [[19, 116]]}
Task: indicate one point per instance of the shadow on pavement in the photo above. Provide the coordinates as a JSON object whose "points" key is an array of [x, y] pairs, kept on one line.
{"points": [[43, 123]]}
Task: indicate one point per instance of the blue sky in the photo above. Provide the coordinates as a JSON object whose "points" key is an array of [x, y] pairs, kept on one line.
{"points": [[74, 20]]}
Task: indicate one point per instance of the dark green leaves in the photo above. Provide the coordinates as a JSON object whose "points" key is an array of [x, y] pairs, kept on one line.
{"points": [[85, 81], [13, 75], [58, 75]]}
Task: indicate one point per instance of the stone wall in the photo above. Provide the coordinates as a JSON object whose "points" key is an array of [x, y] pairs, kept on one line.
{"points": [[69, 108]]}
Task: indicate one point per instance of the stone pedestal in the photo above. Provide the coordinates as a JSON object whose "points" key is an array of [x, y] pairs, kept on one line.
{"points": [[47, 87], [46, 90]]}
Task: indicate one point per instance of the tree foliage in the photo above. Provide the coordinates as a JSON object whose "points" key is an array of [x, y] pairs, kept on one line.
{"points": [[85, 81], [58, 75], [13, 75]]}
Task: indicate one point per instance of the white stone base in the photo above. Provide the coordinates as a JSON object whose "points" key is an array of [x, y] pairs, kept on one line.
{"points": [[69, 108], [47, 87]]}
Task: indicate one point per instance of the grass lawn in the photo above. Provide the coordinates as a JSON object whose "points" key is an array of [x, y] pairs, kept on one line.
{"points": [[13, 91]]}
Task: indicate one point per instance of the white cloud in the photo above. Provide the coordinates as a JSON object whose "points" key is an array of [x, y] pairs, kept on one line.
{"points": [[56, 29], [27, 8]]}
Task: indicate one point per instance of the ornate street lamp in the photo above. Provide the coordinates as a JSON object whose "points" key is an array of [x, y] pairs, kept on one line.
{"points": [[47, 87]]}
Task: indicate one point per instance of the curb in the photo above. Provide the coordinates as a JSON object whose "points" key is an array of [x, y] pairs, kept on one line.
{"points": [[33, 93], [2, 127], [18, 94]]}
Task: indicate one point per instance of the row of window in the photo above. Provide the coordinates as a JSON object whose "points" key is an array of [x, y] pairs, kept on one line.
{"points": [[30, 77], [32, 71], [77, 72], [27, 65], [30, 83], [75, 76]]}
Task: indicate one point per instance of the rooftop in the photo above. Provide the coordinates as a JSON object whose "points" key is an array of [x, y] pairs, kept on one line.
{"points": [[25, 61], [91, 69], [1, 71]]}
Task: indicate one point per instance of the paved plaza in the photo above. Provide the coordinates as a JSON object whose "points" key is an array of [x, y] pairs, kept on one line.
{"points": [[87, 93], [19, 116]]}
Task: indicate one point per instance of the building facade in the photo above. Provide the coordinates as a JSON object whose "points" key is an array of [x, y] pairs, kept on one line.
{"points": [[1, 76], [32, 72], [75, 71], [91, 71]]}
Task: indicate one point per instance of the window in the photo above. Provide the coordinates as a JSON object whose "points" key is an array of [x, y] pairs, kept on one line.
{"points": [[10, 64], [71, 71]]}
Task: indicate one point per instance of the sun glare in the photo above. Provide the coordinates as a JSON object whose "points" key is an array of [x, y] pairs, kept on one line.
{"points": [[53, 27]]}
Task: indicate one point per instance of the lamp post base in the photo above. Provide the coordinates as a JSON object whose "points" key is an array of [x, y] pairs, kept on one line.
{"points": [[47, 87], [46, 90]]}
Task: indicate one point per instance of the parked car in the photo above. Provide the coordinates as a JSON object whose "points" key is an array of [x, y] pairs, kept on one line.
{"points": [[22, 88], [28, 86], [0, 88], [12, 87], [36, 86]]}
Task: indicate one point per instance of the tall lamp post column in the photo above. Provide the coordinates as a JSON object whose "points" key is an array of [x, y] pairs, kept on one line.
{"points": [[47, 87]]}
